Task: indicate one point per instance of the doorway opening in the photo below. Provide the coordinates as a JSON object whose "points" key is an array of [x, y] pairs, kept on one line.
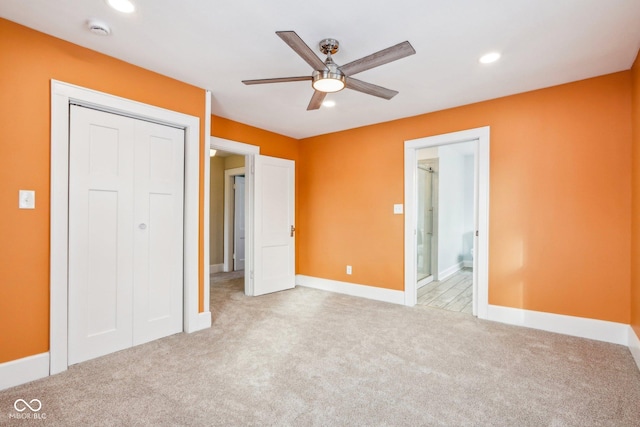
{"points": [[269, 219], [230, 200], [445, 226], [227, 211], [458, 243], [227, 218]]}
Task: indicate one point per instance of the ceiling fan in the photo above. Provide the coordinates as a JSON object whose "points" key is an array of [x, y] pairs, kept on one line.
{"points": [[328, 77]]}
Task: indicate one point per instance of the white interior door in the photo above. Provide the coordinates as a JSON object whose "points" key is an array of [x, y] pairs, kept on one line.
{"points": [[125, 232], [238, 223], [274, 264]]}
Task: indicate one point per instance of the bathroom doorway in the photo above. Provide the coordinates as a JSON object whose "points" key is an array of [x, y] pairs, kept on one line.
{"points": [[461, 234], [444, 248]]}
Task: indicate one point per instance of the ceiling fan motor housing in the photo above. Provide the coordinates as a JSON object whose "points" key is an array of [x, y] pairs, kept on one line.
{"points": [[329, 46]]}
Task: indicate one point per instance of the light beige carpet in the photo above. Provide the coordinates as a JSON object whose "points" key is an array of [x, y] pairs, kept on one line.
{"points": [[306, 357]]}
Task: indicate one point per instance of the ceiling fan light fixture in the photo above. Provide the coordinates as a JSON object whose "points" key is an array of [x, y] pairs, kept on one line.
{"points": [[328, 81]]}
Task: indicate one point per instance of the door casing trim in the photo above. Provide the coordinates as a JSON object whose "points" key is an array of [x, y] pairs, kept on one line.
{"points": [[62, 94], [481, 136]]}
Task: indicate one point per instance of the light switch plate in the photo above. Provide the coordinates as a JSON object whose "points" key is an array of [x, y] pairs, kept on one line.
{"points": [[27, 199], [398, 209]]}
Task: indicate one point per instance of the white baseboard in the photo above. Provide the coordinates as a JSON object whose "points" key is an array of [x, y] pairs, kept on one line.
{"points": [[24, 370], [467, 263], [600, 330], [363, 291], [634, 345], [216, 268], [204, 321], [448, 272]]}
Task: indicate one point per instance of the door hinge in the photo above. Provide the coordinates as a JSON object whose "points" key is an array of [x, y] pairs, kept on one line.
{"points": [[476, 233], [253, 167], [251, 275]]}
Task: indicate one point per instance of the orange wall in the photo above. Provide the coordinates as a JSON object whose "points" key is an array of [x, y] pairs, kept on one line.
{"points": [[271, 144], [560, 198], [635, 253], [28, 61]]}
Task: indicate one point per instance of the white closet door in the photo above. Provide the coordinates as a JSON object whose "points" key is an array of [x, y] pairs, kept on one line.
{"points": [[125, 232], [100, 238], [158, 231]]}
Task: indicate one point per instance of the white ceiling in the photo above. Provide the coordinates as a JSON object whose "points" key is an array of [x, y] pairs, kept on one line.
{"points": [[216, 44]]}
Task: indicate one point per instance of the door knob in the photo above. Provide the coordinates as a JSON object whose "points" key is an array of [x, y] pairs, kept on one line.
{"points": [[142, 226]]}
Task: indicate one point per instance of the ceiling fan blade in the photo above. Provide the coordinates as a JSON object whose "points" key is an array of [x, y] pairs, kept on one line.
{"points": [[370, 89], [316, 100], [382, 57], [300, 47], [276, 80]]}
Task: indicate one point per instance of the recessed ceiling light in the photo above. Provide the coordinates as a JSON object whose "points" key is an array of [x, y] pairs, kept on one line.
{"points": [[489, 58], [329, 103], [212, 152], [124, 6]]}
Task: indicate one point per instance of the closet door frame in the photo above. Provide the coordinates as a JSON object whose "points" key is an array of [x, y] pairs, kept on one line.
{"points": [[62, 95]]}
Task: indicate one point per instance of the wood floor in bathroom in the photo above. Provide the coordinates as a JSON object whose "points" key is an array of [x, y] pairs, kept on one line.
{"points": [[454, 293]]}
